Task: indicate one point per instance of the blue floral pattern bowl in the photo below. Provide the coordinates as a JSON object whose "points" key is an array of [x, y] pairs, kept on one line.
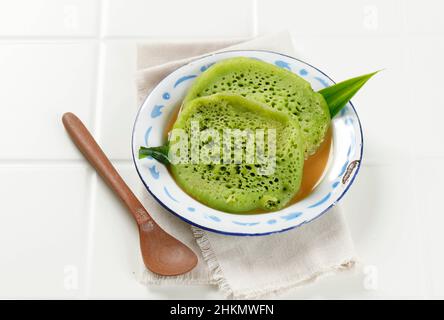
{"points": [[157, 110]]}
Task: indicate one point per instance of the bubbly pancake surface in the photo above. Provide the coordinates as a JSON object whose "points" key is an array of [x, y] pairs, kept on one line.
{"points": [[240, 187], [276, 87]]}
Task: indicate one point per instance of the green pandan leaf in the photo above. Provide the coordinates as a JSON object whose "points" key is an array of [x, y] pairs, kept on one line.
{"points": [[158, 153], [339, 94]]}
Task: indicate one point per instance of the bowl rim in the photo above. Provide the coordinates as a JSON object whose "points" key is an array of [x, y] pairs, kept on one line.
{"points": [[351, 179]]}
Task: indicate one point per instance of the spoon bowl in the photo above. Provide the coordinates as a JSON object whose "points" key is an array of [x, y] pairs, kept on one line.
{"points": [[171, 259]]}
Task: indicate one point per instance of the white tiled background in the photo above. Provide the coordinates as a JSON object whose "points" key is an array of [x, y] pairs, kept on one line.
{"points": [[64, 235]]}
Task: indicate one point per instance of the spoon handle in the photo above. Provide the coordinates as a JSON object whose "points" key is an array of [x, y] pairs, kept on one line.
{"points": [[94, 154]]}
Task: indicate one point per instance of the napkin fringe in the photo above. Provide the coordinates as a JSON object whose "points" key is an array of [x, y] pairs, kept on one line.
{"points": [[272, 290], [217, 275], [149, 278], [277, 289]]}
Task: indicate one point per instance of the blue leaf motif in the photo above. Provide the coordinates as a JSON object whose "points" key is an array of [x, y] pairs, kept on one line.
{"points": [[203, 68], [344, 167], [169, 195], [321, 201], [214, 218], [248, 224], [349, 151], [185, 78], [147, 135], [282, 64], [291, 216], [156, 111], [349, 121], [322, 81], [154, 172]]}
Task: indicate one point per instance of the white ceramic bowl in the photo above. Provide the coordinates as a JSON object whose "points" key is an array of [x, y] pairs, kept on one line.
{"points": [[158, 109]]}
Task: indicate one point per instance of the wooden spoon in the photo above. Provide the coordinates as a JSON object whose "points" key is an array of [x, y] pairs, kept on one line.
{"points": [[162, 253]]}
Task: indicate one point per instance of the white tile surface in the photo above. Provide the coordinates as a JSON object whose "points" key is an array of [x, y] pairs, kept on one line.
{"points": [[116, 259], [381, 209], [79, 56], [43, 231], [428, 177], [378, 106], [425, 63], [115, 256], [176, 19], [119, 98], [333, 18], [48, 18], [41, 81], [424, 17]]}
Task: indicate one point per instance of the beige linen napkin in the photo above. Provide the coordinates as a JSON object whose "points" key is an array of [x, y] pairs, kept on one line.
{"points": [[244, 267]]}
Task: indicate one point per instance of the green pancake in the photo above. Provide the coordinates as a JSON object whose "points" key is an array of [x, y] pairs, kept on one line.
{"points": [[240, 187], [266, 83]]}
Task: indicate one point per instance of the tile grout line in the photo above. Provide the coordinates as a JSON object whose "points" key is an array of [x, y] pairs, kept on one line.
{"points": [[33, 163], [49, 38], [96, 115], [79, 39], [255, 18], [424, 290], [42, 163], [255, 31]]}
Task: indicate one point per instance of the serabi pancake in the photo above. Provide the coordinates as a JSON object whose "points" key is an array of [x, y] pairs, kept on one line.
{"points": [[266, 83], [240, 187]]}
